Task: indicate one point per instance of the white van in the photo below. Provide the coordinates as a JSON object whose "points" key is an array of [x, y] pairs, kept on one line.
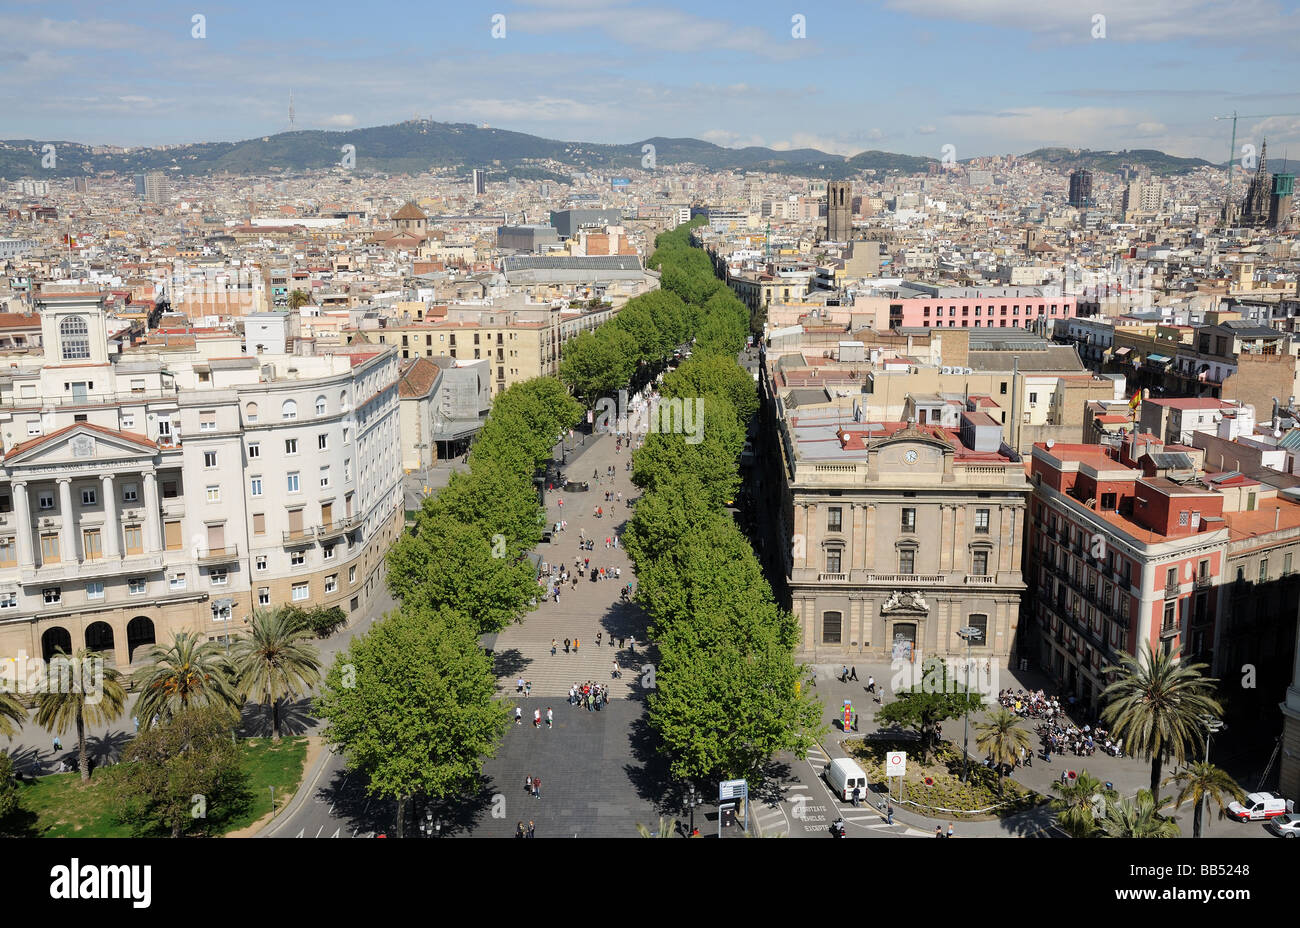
{"points": [[1260, 806], [843, 775]]}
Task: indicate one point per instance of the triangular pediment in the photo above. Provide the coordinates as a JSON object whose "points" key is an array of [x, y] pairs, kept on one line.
{"points": [[81, 443]]}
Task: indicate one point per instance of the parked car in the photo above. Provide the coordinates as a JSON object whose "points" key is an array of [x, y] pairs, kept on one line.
{"points": [[1285, 826], [575, 486], [1260, 806]]}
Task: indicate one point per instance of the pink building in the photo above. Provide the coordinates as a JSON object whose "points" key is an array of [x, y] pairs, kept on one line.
{"points": [[922, 306]]}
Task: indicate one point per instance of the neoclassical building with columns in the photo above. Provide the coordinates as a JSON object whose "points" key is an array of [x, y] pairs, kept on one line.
{"points": [[896, 536], [181, 484]]}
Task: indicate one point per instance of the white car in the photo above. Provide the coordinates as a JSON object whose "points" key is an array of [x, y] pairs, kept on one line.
{"points": [[1285, 826], [1260, 806]]}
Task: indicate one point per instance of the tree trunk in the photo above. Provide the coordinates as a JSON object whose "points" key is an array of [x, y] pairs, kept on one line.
{"points": [[275, 718], [1156, 764], [83, 756], [1196, 818], [401, 816]]}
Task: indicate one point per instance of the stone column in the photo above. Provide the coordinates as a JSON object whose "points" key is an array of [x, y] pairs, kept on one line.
{"points": [[67, 540], [112, 547], [859, 559], [945, 532], [23, 524], [869, 541], [152, 525]]}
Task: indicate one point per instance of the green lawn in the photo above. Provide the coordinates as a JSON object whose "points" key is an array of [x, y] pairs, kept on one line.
{"points": [[57, 806]]}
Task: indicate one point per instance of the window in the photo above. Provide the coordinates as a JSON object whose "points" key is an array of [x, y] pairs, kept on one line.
{"points": [[50, 548], [250, 413], [217, 576], [1169, 614], [347, 468], [324, 476], [8, 552], [289, 410], [214, 494], [982, 521], [133, 538], [74, 336], [1286, 565], [982, 623], [322, 441], [209, 459], [45, 500], [259, 523], [907, 561], [95, 589], [52, 595], [293, 482], [254, 450], [291, 446], [208, 420], [834, 517], [89, 497], [352, 575], [177, 582], [33, 427], [1184, 517], [1171, 577], [909, 522], [980, 563], [171, 489], [255, 486], [327, 552], [1263, 570], [833, 560], [300, 592], [1033, 399], [90, 544], [320, 405], [128, 420], [1003, 389], [259, 562], [129, 493], [9, 600], [264, 596], [346, 432], [831, 625], [331, 583], [297, 558]]}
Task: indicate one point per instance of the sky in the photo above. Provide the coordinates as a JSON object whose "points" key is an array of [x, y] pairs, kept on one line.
{"points": [[912, 76]]}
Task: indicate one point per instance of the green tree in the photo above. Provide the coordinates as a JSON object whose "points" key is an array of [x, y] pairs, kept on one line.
{"points": [[493, 498], [703, 375], [666, 829], [1158, 705], [12, 714], [1142, 818], [924, 706], [82, 690], [1200, 781], [8, 790], [299, 298], [447, 563], [1078, 802], [184, 775], [596, 364], [187, 673], [1002, 739], [276, 662], [411, 705]]}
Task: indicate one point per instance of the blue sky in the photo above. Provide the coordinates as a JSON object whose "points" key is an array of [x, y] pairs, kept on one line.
{"points": [[986, 76]]}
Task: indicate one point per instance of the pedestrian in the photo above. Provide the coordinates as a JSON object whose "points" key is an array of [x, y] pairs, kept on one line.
{"points": [[566, 645], [938, 831], [871, 683], [550, 717], [573, 693], [557, 596], [949, 824], [844, 673], [561, 502], [857, 794], [631, 643], [552, 647], [575, 583], [58, 745], [528, 687], [575, 645], [519, 685], [528, 784], [537, 718], [519, 716], [519, 832], [889, 815], [135, 721], [853, 674], [537, 787], [598, 634], [618, 573], [532, 830], [615, 672]]}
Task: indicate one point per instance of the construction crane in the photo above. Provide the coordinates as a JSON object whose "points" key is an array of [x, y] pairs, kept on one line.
{"points": [[1232, 150]]}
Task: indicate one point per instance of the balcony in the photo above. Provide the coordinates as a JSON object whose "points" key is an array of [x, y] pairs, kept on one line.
{"points": [[912, 579], [1171, 590], [1169, 629], [1204, 583], [981, 578], [91, 569], [832, 578], [299, 536], [336, 528], [206, 556]]}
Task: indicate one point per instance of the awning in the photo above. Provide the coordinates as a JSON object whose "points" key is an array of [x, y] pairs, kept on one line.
{"points": [[1120, 352], [1159, 358]]}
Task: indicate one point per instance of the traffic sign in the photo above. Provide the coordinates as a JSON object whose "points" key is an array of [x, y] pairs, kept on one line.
{"points": [[733, 789], [896, 763]]}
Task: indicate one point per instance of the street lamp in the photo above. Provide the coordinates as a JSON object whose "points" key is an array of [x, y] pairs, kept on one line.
{"points": [[1213, 725], [969, 633], [692, 800]]}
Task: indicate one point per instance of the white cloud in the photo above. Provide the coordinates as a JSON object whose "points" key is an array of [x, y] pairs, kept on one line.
{"points": [[340, 120], [925, 130]]}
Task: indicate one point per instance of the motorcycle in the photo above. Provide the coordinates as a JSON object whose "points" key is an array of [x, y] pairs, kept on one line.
{"points": [[837, 828]]}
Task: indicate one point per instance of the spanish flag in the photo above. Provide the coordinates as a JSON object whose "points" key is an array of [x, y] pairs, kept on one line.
{"points": [[1136, 401]]}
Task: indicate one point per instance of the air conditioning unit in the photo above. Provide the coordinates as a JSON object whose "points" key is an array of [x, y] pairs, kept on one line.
{"points": [[945, 370]]}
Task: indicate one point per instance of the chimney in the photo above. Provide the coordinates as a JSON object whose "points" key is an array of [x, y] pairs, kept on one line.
{"points": [[1277, 518]]}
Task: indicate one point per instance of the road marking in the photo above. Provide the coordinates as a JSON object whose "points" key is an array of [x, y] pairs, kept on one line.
{"points": [[302, 833], [336, 832]]}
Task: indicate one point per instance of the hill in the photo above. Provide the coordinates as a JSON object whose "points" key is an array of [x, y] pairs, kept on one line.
{"points": [[1157, 162]]}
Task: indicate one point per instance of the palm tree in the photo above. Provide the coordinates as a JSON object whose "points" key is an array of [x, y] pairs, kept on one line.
{"points": [[11, 712], [1002, 739], [666, 829], [187, 673], [81, 698], [275, 662], [298, 298], [1158, 706], [1140, 819], [1079, 802], [1201, 780]]}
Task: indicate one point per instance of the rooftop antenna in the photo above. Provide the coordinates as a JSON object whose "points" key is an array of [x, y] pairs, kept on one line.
{"points": [[291, 113]]}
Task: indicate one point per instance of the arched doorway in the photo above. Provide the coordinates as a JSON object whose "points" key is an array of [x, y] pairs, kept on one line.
{"points": [[54, 640], [99, 641], [139, 635], [904, 640]]}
